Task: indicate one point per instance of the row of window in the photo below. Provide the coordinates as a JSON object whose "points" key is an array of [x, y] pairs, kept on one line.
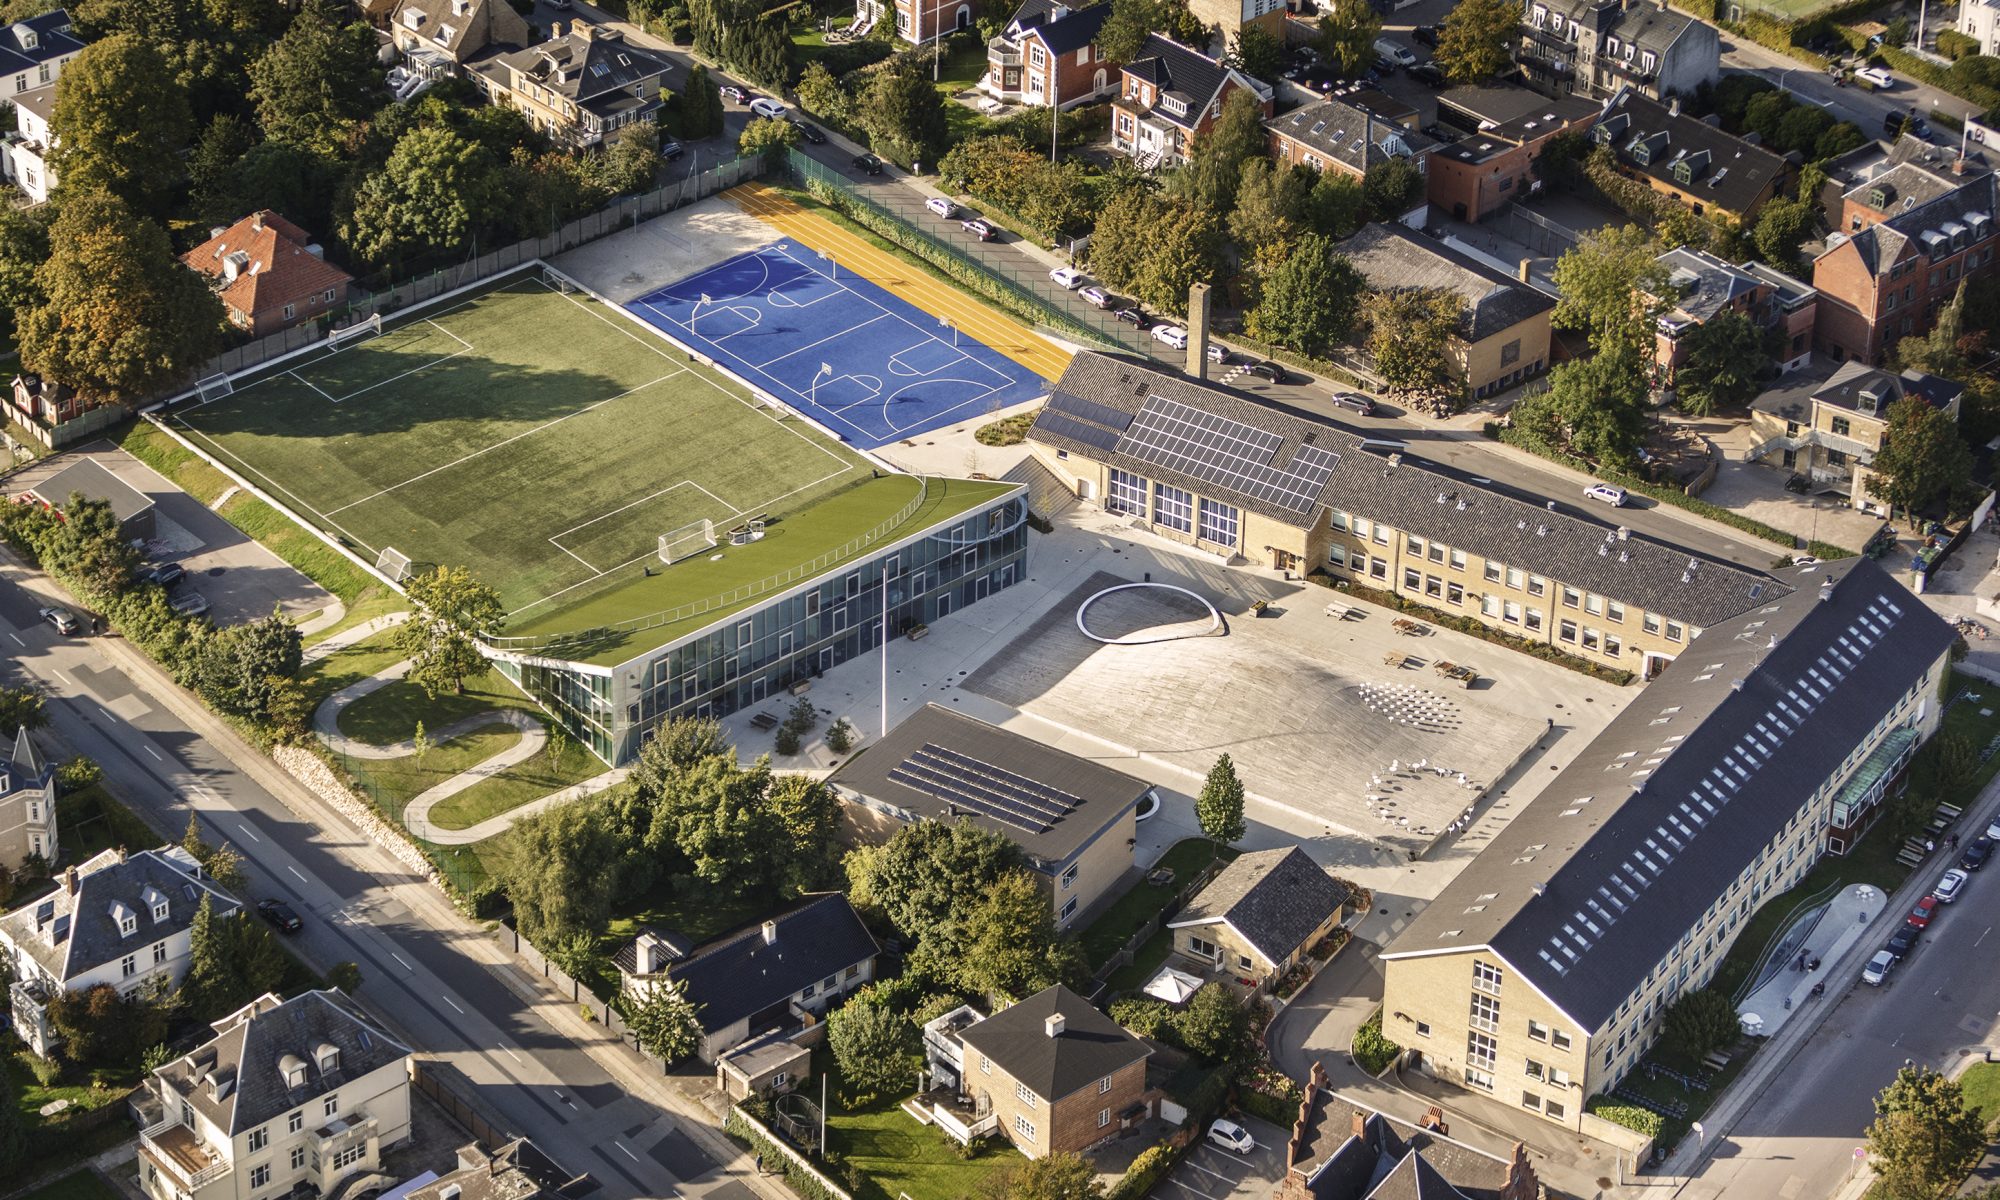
{"points": [[43, 75], [1173, 508]]}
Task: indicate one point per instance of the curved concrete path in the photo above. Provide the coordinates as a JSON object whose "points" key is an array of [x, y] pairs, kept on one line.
{"points": [[347, 637]]}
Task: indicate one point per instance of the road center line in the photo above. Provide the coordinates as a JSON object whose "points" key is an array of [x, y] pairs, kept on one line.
{"points": [[399, 958], [247, 832], [511, 1054], [18, 642], [295, 873], [625, 1152], [1982, 936], [150, 750], [454, 1005]]}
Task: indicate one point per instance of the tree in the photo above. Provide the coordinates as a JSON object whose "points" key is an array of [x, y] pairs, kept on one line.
{"points": [[701, 109], [120, 123], [1258, 54], [13, 1138], [237, 664], [1614, 288], [820, 93], [1155, 249], [1410, 332], [804, 819], [1271, 204], [1594, 408], [222, 145], [904, 114], [24, 247], [1477, 41], [928, 872], [1208, 182], [121, 318], [1214, 1024], [770, 137], [1012, 946], [633, 161], [344, 975], [318, 83], [1312, 301], [1699, 1023], [453, 609], [559, 869], [1781, 228], [874, 1045], [666, 1024], [1922, 457], [1064, 1175], [1723, 366], [100, 1027], [1124, 33], [1924, 1139], [1337, 207], [429, 198], [20, 707], [212, 979], [1347, 34], [1219, 808], [1392, 188], [89, 547]]}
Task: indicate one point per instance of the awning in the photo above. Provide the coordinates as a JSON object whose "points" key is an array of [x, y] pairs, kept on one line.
{"points": [[1173, 986], [1864, 787]]}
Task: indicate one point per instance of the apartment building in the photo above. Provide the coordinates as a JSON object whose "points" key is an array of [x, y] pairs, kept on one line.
{"points": [[1168, 97], [1345, 136], [1050, 1074], [1905, 237], [33, 53], [289, 1096], [269, 273], [1505, 130], [1247, 480], [581, 86], [1702, 167], [1048, 55], [1341, 1149], [1597, 47], [116, 919], [1831, 431], [1702, 286], [1074, 819], [1980, 21], [1540, 974], [27, 805]]}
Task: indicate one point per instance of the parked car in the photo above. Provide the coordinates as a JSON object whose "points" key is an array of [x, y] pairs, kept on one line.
{"points": [[1172, 335], [1096, 296], [1609, 493], [1977, 851], [1068, 277], [1271, 371], [671, 150], [733, 94], [164, 574], [1993, 831], [1876, 973], [1920, 916], [942, 206], [1897, 123], [980, 228], [764, 106], [1218, 353], [809, 132], [63, 619], [1425, 35], [280, 914], [1395, 52], [561, 5], [190, 604], [1231, 1136], [1876, 77], [1903, 941], [1950, 886], [1355, 402], [1134, 317], [868, 164], [1427, 74]]}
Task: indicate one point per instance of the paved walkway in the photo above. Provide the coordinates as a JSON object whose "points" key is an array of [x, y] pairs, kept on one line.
{"points": [[348, 637], [1820, 937], [326, 618]]}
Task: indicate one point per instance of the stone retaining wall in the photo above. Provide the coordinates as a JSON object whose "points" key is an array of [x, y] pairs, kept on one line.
{"points": [[312, 771]]}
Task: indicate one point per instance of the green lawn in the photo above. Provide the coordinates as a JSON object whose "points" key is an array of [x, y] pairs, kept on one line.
{"points": [[517, 785], [393, 782], [540, 439], [1963, 718], [695, 914], [897, 1157], [90, 820], [1981, 1085], [84, 1090], [1113, 927], [83, 1185]]}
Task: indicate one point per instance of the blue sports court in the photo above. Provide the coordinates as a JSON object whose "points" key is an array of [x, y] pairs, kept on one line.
{"points": [[839, 349]]}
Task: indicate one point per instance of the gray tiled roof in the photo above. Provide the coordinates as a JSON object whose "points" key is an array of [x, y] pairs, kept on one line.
{"points": [[86, 928], [1061, 27], [1728, 172], [1844, 388], [1591, 886], [1350, 134], [1394, 256], [1090, 1046], [1274, 898], [1946, 198], [95, 482], [250, 1046], [1173, 67], [25, 765], [1427, 499], [739, 975], [1705, 284], [590, 70], [1387, 1158]]}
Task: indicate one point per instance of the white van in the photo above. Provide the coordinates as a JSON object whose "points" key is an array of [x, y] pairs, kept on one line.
{"points": [[1395, 52]]}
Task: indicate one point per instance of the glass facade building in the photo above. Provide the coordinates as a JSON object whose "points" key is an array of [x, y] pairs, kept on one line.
{"points": [[757, 652]]}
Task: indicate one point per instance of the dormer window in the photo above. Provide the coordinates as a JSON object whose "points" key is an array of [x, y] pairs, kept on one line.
{"points": [[128, 926], [328, 1058], [126, 918], [1683, 172], [160, 909], [293, 1069]]}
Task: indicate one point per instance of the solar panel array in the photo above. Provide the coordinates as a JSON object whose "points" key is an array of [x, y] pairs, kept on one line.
{"points": [[1095, 425], [1064, 425], [1090, 410], [982, 788], [1754, 749], [1226, 453]]}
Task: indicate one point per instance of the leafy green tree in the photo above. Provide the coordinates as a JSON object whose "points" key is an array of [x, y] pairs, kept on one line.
{"points": [[805, 821], [1699, 1023], [119, 124], [874, 1045], [18, 707], [1410, 334], [1214, 1025], [90, 548], [929, 873], [1477, 41], [205, 44], [1391, 188], [429, 198], [13, 1138], [722, 827], [1782, 227], [770, 137], [665, 1022], [1258, 54], [559, 869], [1065, 1175], [904, 114], [548, 190], [279, 176], [1922, 457], [1219, 807], [820, 93], [1154, 249], [1924, 1139], [24, 247], [1208, 182], [1613, 287], [1014, 950], [633, 161], [318, 83], [1312, 301], [1123, 35], [212, 163], [213, 979], [100, 1027], [1723, 367], [1271, 206], [453, 609], [239, 663], [1347, 34], [1594, 408], [701, 109], [1337, 207]]}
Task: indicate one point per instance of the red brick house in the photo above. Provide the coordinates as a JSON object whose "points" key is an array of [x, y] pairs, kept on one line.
{"points": [[1506, 128], [269, 273], [1346, 135], [1170, 95], [919, 21], [1904, 240], [1048, 36], [1702, 286]]}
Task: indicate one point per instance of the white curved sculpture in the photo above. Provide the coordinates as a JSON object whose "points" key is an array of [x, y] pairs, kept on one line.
{"points": [[1141, 639]]}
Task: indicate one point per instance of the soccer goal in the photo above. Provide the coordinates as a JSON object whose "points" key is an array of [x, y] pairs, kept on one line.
{"points": [[336, 338], [559, 281], [215, 387], [393, 563], [687, 541]]}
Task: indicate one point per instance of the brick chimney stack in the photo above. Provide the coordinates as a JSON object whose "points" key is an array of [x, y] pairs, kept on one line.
{"points": [[1522, 1183]]}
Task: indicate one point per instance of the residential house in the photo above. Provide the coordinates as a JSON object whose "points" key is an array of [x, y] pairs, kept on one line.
{"points": [[33, 52], [458, 30], [1702, 286], [1504, 331], [1048, 55], [1074, 819], [1832, 430], [1505, 130], [1227, 19], [1702, 167], [1168, 96], [1051, 1074], [1304, 494], [1346, 137], [515, 1171], [54, 414], [27, 805], [778, 974], [1980, 21], [1541, 973], [289, 1097], [1341, 1149], [1598, 47], [116, 919], [269, 273], [1257, 918], [581, 86], [918, 21], [92, 480], [1905, 237]]}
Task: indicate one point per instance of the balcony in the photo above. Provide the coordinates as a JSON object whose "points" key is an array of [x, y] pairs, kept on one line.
{"points": [[962, 1120], [1002, 53], [175, 1150]]}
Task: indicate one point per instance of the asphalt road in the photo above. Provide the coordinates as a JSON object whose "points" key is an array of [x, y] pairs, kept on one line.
{"points": [[1850, 103], [428, 972]]}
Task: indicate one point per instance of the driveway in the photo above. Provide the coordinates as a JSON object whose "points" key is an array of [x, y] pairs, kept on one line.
{"points": [[1212, 1173], [1319, 1023]]}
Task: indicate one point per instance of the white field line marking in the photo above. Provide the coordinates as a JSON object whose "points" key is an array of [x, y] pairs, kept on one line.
{"points": [[401, 375], [448, 333], [822, 341], [454, 1005], [315, 387], [608, 321], [248, 832], [399, 958], [295, 873], [298, 503]]}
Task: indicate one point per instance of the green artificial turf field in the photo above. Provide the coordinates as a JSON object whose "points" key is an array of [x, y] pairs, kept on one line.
{"points": [[541, 439]]}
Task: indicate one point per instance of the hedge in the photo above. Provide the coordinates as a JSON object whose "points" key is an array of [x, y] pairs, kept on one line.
{"points": [[1373, 1051], [1643, 1121], [1266, 1107], [803, 1181], [1147, 1169], [1945, 79]]}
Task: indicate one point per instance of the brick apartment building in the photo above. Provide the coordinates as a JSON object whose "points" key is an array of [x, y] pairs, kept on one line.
{"points": [[1598, 47], [1505, 130], [1703, 287], [1706, 169], [1170, 95], [1054, 1074], [1347, 135]]}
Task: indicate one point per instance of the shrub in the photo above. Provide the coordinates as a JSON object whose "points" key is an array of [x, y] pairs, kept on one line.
{"points": [[840, 736], [1955, 45], [1147, 1018], [1008, 431], [1147, 1169], [787, 740], [1373, 1051], [1643, 1121], [78, 773]]}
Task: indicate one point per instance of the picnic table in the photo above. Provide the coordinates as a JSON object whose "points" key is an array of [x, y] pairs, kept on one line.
{"points": [[764, 720], [1395, 658], [1462, 676], [1339, 611], [1405, 625]]}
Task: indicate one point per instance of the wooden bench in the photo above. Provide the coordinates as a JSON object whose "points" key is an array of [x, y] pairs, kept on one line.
{"points": [[764, 720]]}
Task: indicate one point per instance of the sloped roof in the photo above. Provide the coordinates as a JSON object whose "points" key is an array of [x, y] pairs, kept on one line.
{"points": [[739, 975], [588, 65], [1393, 256], [1350, 134], [1727, 172], [26, 760], [1342, 1149], [1843, 389], [1175, 68], [462, 28], [85, 922], [1590, 887], [1274, 899], [36, 40], [1706, 284], [1061, 27], [1090, 1046], [94, 481], [277, 268], [1923, 198]]}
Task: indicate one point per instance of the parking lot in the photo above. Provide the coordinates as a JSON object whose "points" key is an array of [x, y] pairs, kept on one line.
{"points": [[1212, 1173]]}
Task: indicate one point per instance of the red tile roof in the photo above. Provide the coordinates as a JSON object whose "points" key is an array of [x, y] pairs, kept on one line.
{"points": [[278, 271]]}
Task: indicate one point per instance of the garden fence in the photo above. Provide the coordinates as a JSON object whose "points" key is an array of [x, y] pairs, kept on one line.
{"points": [[448, 1088], [1168, 911]]}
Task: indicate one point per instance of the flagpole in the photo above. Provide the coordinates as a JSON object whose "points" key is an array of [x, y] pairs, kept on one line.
{"points": [[885, 649]]}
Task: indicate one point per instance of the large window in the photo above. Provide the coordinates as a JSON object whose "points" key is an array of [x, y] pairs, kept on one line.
{"points": [[1173, 509], [1218, 523], [1128, 494], [1486, 977]]}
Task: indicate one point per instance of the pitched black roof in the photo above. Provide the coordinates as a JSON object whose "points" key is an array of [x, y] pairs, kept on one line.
{"points": [[1063, 28], [1173, 67], [1511, 112], [70, 933], [1090, 1046], [25, 766], [739, 975], [1350, 133], [1921, 196], [1393, 256], [1102, 794], [1591, 886], [37, 40], [1725, 171], [95, 482], [1274, 898], [1344, 1150]]}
